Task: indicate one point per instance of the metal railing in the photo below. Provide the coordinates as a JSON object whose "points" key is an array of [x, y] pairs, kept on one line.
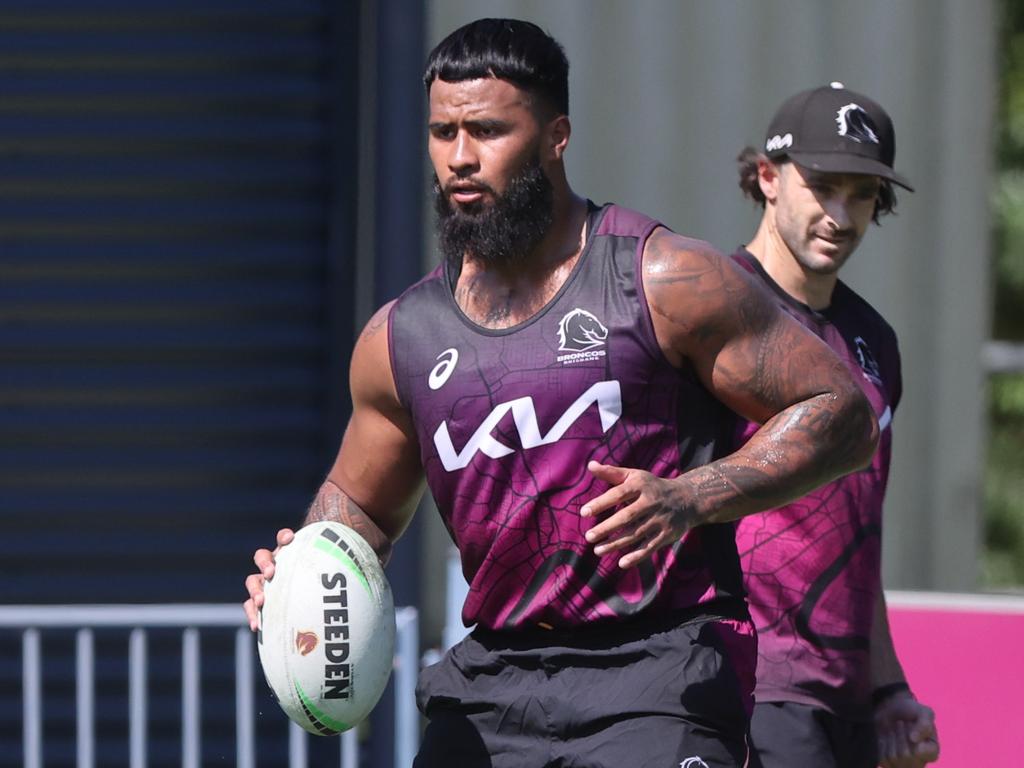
{"points": [[190, 619]]}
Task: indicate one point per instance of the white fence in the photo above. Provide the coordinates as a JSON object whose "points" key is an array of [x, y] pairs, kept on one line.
{"points": [[191, 620]]}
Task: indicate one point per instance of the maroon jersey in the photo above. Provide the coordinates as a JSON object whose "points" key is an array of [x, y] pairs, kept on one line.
{"points": [[812, 568], [508, 419]]}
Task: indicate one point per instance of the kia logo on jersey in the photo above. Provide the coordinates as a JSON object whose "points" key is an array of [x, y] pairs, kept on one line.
{"points": [[606, 395]]}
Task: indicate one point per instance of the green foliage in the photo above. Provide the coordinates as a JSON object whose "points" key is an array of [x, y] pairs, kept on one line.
{"points": [[1003, 559], [1008, 262], [1007, 402], [1008, 197], [1009, 211]]}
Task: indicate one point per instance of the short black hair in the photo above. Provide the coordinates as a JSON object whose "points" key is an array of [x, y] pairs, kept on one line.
{"points": [[508, 49], [747, 163]]}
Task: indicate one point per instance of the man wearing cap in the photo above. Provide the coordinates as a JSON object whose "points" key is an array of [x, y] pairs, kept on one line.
{"points": [[830, 690]]}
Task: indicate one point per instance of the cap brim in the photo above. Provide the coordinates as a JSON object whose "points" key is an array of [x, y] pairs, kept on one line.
{"points": [[834, 162]]}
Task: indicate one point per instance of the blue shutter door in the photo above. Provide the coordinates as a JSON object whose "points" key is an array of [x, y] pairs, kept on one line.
{"points": [[164, 207], [175, 290]]}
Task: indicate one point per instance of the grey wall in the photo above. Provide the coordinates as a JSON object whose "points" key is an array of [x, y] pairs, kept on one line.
{"points": [[663, 95]]}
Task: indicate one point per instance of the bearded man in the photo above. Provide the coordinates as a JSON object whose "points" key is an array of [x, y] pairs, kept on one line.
{"points": [[563, 381]]}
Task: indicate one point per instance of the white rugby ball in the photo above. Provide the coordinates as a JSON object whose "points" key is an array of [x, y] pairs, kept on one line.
{"points": [[327, 629]]}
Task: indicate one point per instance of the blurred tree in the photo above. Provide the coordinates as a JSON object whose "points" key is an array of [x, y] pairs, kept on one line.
{"points": [[1003, 561]]}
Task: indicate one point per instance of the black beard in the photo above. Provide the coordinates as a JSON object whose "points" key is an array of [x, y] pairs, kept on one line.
{"points": [[500, 234]]}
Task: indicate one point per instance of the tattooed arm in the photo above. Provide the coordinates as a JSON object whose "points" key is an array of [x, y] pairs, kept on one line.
{"points": [[376, 479], [817, 424]]}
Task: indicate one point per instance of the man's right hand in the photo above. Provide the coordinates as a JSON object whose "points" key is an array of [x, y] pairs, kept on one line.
{"points": [[264, 560]]}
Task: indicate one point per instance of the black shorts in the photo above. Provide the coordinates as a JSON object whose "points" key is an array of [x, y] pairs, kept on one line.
{"points": [[791, 735], [593, 699]]}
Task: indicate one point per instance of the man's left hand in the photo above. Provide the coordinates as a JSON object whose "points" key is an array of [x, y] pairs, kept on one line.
{"points": [[906, 732], [650, 512]]}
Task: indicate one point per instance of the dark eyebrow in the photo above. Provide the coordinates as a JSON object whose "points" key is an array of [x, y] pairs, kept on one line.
{"points": [[487, 122]]}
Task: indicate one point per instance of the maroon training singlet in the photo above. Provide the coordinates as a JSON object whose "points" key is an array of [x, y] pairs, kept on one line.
{"points": [[508, 419], [812, 569]]}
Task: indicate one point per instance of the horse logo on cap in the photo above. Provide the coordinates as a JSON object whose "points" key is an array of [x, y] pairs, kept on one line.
{"points": [[854, 123]]}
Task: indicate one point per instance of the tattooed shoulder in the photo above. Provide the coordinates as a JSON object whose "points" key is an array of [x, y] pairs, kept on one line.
{"points": [[377, 322], [699, 300], [668, 255], [684, 278]]}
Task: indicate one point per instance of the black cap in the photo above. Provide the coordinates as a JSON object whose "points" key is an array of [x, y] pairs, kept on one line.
{"points": [[835, 130]]}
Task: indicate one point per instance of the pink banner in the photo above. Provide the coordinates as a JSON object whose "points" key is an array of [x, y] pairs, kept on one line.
{"points": [[964, 657]]}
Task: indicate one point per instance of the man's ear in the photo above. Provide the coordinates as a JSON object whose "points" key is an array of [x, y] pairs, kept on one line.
{"points": [[768, 178], [557, 139]]}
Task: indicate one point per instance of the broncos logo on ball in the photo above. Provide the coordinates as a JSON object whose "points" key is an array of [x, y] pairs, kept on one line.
{"points": [[579, 331], [305, 642], [854, 123]]}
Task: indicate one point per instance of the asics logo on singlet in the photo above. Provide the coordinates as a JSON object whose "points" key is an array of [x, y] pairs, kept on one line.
{"points": [[693, 762], [854, 123], [606, 395], [439, 375]]}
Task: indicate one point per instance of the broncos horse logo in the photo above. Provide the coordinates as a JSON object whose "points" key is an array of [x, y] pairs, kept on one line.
{"points": [[855, 123], [579, 331], [305, 642], [867, 360]]}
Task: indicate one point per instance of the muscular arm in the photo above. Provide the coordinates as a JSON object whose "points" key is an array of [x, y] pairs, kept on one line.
{"points": [[817, 424], [376, 479]]}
